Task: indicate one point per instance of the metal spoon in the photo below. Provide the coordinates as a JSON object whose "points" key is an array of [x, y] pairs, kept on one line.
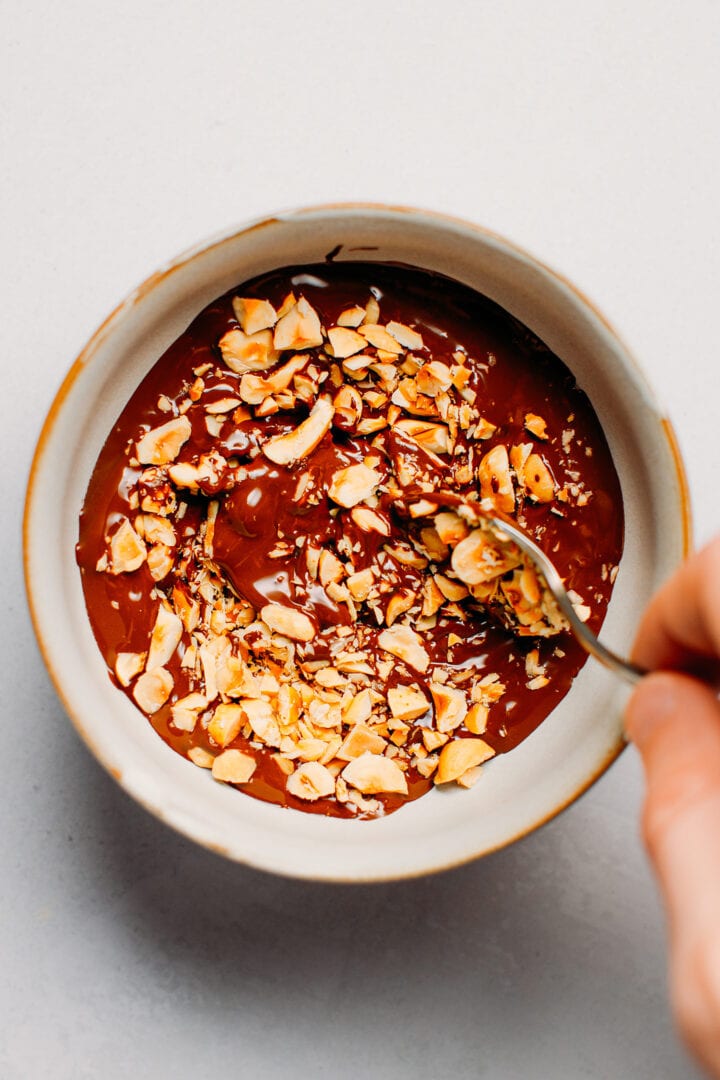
{"points": [[626, 669]]}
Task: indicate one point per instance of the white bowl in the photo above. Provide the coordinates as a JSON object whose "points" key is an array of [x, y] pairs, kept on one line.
{"points": [[521, 790]]}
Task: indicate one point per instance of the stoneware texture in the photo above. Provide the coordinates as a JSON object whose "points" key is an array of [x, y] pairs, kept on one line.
{"points": [[518, 791]]}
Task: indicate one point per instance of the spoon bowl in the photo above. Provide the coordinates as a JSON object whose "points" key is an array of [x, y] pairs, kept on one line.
{"points": [[503, 530], [626, 669]]}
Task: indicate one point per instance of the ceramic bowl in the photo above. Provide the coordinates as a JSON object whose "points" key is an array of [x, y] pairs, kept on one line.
{"points": [[521, 790]]}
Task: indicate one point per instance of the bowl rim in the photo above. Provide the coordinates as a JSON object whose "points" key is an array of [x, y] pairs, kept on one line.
{"points": [[135, 295]]}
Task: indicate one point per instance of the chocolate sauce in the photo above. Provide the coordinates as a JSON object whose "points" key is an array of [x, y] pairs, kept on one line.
{"points": [[262, 528]]}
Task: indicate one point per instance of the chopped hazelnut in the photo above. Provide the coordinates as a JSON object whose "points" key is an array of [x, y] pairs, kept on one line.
{"points": [[296, 444], [450, 527], [433, 740], [128, 665], [351, 316], [155, 529], [330, 569], [353, 485], [370, 521], [405, 336], [407, 645], [451, 590], [185, 712], [233, 766], [536, 425], [254, 315], [360, 584], [375, 774], [288, 621], [163, 444], [345, 342], [359, 709], [476, 559], [348, 406], [470, 778], [407, 703], [243, 352], [460, 755], [201, 757], [262, 721], [152, 689], [298, 329], [361, 740], [127, 550], [227, 720], [379, 337], [165, 638], [399, 603], [450, 706], [538, 479], [495, 479], [431, 436], [311, 781], [476, 719]]}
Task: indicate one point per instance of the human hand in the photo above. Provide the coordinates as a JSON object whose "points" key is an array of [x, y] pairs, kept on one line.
{"points": [[674, 720]]}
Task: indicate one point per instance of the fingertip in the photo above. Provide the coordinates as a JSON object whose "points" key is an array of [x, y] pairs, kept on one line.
{"points": [[674, 721], [680, 628], [657, 700]]}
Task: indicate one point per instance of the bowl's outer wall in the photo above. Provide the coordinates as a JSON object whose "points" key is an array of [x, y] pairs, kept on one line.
{"points": [[521, 790]]}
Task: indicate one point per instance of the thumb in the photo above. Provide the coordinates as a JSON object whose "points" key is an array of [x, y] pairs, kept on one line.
{"points": [[675, 723]]}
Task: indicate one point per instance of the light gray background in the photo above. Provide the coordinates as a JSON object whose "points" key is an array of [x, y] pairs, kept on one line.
{"points": [[589, 134]]}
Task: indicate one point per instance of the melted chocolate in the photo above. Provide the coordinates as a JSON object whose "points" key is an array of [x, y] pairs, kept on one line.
{"points": [[513, 374]]}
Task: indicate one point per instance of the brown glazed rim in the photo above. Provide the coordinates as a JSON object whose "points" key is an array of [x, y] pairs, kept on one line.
{"points": [[69, 381]]}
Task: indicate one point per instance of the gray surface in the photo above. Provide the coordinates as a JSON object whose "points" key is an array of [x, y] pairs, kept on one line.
{"points": [[592, 140]]}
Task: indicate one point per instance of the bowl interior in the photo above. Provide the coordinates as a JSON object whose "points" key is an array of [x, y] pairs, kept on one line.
{"points": [[520, 790]]}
